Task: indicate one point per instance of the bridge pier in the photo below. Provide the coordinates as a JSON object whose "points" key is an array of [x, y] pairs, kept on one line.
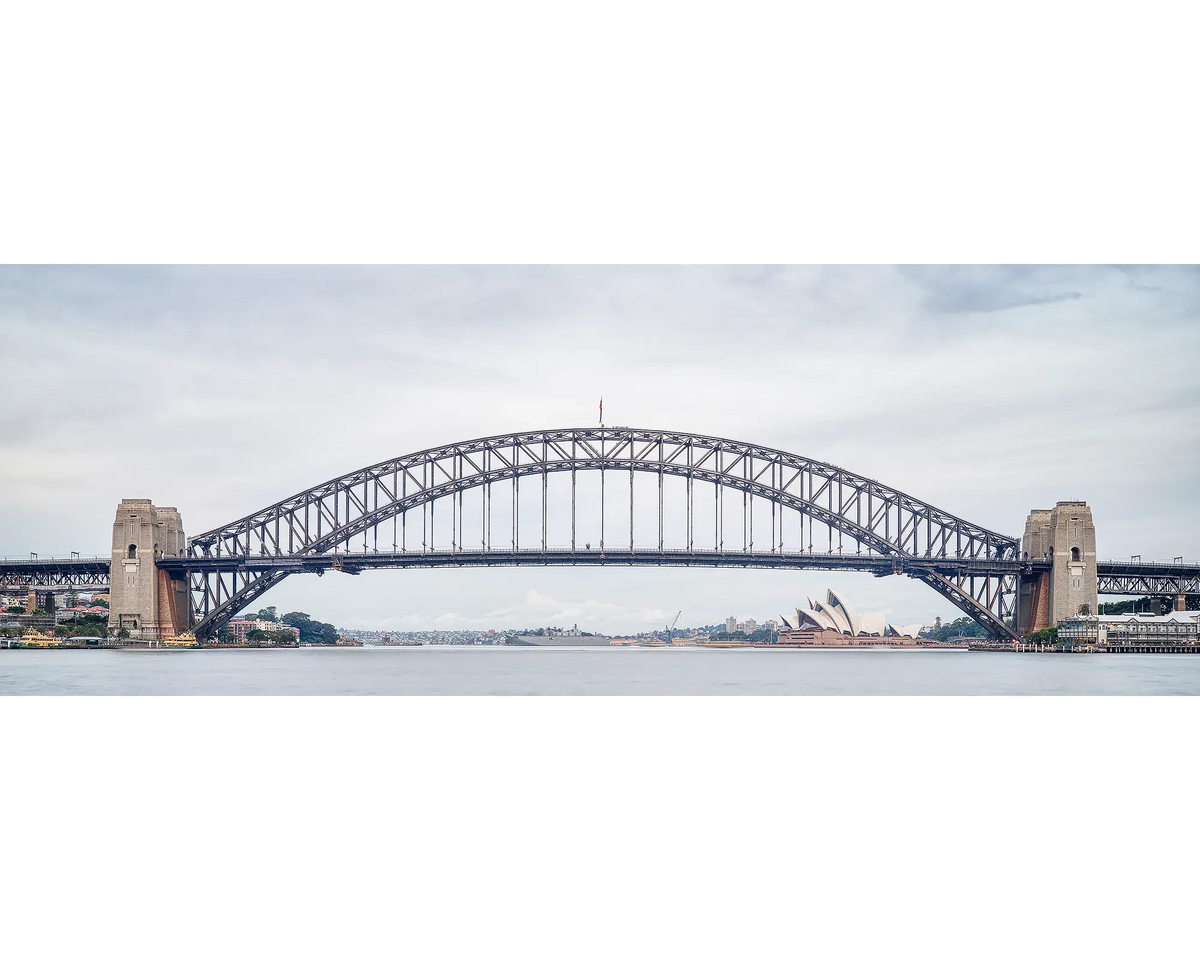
{"points": [[143, 599], [40, 600], [1066, 537], [1033, 602]]}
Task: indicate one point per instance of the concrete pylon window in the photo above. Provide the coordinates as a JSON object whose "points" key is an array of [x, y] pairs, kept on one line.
{"points": [[132, 554], [1075, 554]]}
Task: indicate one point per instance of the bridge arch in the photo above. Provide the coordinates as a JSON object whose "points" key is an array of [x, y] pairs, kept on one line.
{"points": [[232, 565]]}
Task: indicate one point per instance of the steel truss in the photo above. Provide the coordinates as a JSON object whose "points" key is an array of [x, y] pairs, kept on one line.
{"points": [[1147, 579], [820, 504], [86, 574]]}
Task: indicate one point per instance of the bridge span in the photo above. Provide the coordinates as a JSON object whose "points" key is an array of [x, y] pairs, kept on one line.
{"points": [[1115, 577], [597, 497]]}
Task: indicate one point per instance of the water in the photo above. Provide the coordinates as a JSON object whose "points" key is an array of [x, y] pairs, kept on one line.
{"points": [[588, 670]]}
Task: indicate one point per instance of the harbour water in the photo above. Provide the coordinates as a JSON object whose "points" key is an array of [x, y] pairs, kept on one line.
{"points": [[496, 670]]}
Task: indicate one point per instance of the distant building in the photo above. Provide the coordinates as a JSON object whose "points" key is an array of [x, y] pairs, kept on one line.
{"points": [[1132, 629], [239, 628], [731, 625]]}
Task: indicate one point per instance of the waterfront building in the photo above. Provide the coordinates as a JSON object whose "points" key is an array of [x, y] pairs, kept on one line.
{"points": [[1131, 629], [731, 625]]}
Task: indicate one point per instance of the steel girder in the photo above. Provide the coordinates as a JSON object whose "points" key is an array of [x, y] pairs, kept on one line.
{"points": [[990, 601], [355, 563], [876, 518], [1149, 583], [91, 573]]}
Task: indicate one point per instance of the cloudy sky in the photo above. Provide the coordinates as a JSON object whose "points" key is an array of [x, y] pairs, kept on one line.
{"points": [[986, 391]]}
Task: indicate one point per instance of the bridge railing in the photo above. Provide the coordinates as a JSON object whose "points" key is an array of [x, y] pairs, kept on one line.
{"points": [[1174, 564], [73, 558]]}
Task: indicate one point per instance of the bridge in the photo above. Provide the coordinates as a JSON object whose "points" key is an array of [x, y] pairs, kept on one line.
{"points": [[594, 497]]}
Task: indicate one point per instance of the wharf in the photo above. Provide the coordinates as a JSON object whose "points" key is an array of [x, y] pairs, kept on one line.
{"points": [[1010, 647], [1087, 648], [1148, 648]]}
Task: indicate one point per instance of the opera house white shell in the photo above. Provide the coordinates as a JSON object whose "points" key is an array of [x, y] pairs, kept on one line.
{"points": [[837, 614]]}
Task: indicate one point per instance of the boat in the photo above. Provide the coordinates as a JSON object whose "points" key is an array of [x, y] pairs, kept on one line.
{"points": [[186, 639], [557, 640], [39, 640]]}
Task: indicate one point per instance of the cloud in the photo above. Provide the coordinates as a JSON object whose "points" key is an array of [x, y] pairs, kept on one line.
{"points": [[986, 289]]}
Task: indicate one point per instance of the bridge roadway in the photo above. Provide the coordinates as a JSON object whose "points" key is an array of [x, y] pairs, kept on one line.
{"points": [[355, 563], [1128, 578]]}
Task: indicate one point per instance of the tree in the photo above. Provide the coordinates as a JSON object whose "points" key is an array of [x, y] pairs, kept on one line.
{"points": [[311, 631], [268, 613], [301, 621], [962, 627], [1085, 610], [89, 625], [123, 634], [256, 635]]}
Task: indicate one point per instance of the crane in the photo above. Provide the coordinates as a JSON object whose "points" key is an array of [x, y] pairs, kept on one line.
{"points": [[671, 627]]}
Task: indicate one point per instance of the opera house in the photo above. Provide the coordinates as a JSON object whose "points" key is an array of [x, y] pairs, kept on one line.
{"points": [[835, 622]]}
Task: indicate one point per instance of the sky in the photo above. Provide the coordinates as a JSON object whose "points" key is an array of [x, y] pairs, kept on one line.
{"points": [[987, 391]]}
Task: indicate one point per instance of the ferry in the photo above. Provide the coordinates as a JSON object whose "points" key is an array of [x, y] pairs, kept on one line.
{"points": [[184, 640], [39, 640]]}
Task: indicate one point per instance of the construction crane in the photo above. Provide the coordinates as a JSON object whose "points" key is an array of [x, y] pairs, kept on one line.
{"points": [[671, 627]]}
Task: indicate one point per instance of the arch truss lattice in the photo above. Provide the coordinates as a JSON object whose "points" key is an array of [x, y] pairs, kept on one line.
{"points": [[561, 496]]}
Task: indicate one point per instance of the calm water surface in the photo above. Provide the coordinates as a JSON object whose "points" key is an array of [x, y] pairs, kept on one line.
{"points": [[587, 670]]}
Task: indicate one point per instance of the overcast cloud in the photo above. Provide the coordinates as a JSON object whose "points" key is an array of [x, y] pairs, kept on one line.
{"points": [[986, 391]]}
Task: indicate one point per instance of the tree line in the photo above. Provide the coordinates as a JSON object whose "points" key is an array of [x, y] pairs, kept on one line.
{"points": [[311, 631]]}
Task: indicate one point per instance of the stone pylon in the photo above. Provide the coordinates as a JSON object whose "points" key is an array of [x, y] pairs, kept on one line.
{"points": [[1066, 536], [143, 599]]}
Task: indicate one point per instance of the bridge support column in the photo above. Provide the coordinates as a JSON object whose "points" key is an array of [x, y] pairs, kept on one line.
{"points": [[1066, 536], [143, 599], [1034, 603], [40, 600]]}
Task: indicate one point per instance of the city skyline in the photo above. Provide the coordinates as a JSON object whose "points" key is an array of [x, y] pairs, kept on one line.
{"points": [[343, 367]]}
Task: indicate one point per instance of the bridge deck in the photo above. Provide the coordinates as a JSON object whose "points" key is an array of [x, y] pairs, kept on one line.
{"points": [[1115, 577], [357, 562]]}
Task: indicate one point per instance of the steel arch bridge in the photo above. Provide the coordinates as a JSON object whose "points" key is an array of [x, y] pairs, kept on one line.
{"points": [[775, 508]]}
